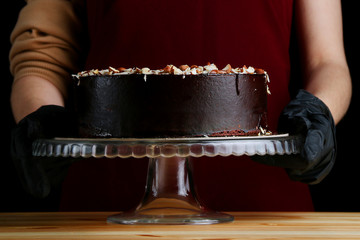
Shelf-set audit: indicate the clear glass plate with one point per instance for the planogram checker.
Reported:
(167, 147)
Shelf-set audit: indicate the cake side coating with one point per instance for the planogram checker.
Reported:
(171, 105)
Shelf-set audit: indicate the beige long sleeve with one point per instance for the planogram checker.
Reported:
(48, 41)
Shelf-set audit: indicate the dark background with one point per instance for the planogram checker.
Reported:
(338, 192)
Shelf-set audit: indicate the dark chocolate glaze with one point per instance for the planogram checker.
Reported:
(170, 105)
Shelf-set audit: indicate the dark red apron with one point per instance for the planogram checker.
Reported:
(154, 33)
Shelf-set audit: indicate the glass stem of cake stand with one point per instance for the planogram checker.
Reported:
(169, 197)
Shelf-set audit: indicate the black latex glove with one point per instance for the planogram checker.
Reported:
(39, 174)
(308, 116)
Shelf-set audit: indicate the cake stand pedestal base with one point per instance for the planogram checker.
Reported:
(170, 197)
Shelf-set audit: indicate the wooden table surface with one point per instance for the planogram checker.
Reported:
(247, 225)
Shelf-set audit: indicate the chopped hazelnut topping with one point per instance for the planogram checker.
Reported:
(184, 67)
(183, 70)
(145, 70)
(210, 68)
(259, 71)
(167, 69)
(176, 71)
(228, 68)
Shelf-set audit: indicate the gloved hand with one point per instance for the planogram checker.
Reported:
(39, 174)
(308, 116)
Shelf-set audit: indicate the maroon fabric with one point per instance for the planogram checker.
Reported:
(155, 33)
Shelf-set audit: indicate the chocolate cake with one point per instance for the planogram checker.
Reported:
(171, 102)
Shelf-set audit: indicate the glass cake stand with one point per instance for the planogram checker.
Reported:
(169, 194)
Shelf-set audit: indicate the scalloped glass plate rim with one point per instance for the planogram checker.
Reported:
(167, 147)
(173, 140)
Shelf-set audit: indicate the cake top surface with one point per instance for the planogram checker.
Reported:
(171, 69)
